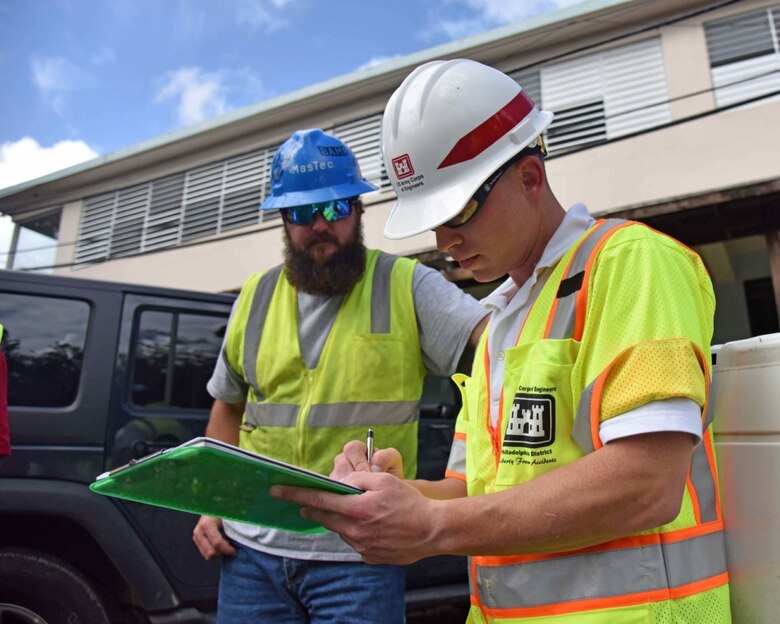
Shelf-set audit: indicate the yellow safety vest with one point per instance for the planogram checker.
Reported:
(576, 364)
(369, 374)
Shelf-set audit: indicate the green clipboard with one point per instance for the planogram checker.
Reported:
(209, 477)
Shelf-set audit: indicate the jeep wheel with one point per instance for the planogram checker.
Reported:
(39, 585)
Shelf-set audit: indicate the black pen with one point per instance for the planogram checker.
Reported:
(369, 444)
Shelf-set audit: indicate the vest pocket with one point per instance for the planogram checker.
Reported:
(537, 413)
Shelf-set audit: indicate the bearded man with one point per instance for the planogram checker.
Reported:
(336, 340)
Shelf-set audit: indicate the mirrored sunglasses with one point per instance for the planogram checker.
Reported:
(330, 210)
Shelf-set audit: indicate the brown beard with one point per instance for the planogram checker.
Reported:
(337, 275)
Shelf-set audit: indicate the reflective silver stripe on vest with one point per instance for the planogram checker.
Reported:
(710, 415)
(601, 574)
(580, 431)
(380, 294)
(457, 460)
(703, 479)
(353, 414)
(271, 414)
(254, 325)
(562, 325)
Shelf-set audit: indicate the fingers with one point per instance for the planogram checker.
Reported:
(351, 459)
(388, 460)
(209, 539)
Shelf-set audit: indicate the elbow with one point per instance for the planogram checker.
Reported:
(660, 508)
(668, 510)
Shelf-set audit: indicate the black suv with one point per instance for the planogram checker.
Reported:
(101, 373)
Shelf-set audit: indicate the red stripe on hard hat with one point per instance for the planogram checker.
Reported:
(489, 131)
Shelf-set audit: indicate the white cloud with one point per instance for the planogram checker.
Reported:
(457, 29)
(202, 94)
(25, 159)
(56, 76)
(262, 14)
(507, 11)
(461, 18)
(377, 60)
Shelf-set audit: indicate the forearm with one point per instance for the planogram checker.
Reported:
(440, 490)
(224, 421)
(626, 487)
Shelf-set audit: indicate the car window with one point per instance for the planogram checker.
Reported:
(174, 356)
(44, 347)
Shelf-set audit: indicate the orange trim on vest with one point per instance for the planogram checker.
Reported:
(622, 543)
(699, 586)
(491, 430)
(554, 306)
(455, 475)
(613, 602)
(582, 294)
(694, 498)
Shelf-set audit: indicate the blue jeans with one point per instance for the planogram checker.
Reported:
(256, 587)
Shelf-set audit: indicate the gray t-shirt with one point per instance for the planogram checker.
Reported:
(446, 317)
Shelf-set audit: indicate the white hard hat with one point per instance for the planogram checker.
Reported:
(445, 130)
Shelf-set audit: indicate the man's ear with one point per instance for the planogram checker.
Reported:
(532, 175)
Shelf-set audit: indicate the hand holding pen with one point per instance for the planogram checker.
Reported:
(360, 457)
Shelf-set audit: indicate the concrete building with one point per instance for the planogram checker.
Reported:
(667, 112)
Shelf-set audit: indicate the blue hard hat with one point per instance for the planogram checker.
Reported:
(312, 167)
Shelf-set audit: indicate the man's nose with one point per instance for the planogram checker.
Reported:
(446, 238)
(319, 223)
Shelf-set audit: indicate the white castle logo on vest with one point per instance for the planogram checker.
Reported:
(531, 421)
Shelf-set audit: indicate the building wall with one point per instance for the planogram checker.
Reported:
(676, 162)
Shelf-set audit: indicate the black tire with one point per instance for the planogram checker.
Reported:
(50, 588)
(14, 614)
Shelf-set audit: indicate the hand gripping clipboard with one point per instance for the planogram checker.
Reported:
(209, 477)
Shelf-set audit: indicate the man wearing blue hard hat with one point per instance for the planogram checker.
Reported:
(334, 341)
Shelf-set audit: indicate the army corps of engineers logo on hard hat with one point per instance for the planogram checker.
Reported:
(406, 180)
(402, 165)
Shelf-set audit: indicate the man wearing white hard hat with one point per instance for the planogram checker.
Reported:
(582, 480)
(332, 342)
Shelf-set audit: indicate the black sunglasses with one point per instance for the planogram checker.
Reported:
(481, 194)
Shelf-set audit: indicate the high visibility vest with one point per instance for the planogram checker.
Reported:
(577, 363)
(369, 374)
